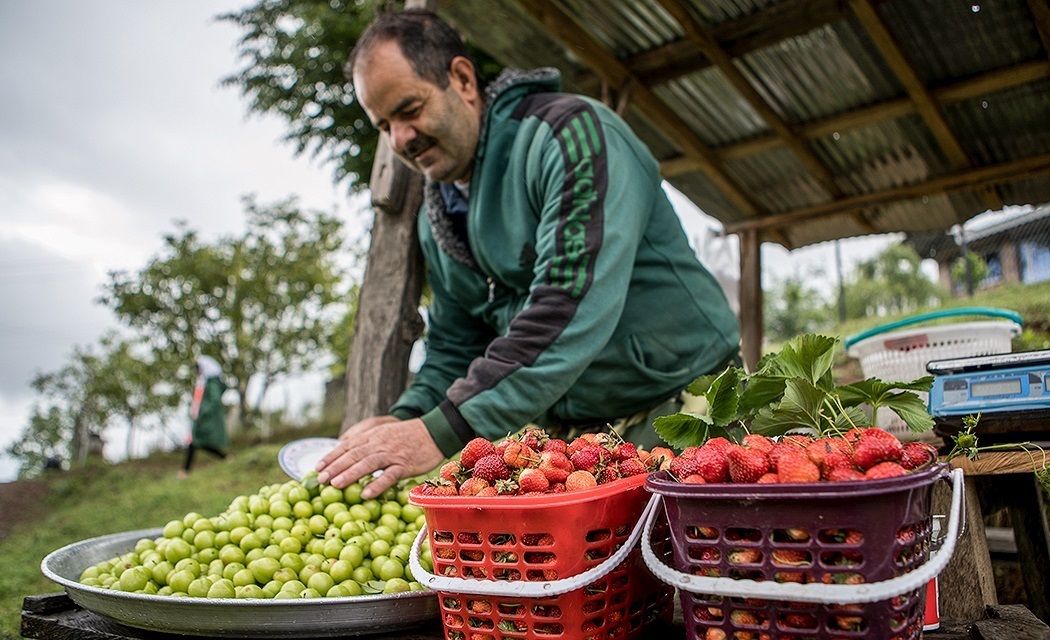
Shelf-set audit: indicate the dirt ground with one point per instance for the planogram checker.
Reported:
(17, 501)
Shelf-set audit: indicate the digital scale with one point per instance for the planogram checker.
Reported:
(1011, 391)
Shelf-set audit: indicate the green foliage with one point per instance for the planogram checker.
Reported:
(969, 271)
(890, 283)
(262, 303)
(294, 53)
(792, 308)
(48, 435)
(792, 389)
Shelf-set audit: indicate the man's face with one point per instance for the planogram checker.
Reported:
(434, 131)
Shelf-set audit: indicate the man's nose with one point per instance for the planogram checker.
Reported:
(401, 135)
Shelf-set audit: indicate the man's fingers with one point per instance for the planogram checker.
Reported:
(389, 478)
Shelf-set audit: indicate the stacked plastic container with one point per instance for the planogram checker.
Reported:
(565, 565)
(820, 560)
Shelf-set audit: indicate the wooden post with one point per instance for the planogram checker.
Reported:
(750, 297)
(388, 321)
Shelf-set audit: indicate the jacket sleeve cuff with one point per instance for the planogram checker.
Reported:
(405, 413)
(448, 428)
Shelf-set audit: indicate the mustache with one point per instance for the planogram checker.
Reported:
(418, 144)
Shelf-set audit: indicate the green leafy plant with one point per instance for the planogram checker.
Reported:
(791, 390)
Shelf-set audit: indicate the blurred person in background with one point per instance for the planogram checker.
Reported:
(208, 414)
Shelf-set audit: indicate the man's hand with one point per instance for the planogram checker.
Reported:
(401, 448)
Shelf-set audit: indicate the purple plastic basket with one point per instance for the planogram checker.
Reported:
(829, 532)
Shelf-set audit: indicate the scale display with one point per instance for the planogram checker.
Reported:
(1014, 382)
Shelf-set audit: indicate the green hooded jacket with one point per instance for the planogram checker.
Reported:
(577, 297)
(209, 429)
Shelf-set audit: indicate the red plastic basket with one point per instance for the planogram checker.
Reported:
(821, 561)
(543, 567)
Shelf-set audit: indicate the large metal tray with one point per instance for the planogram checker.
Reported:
(306, 618)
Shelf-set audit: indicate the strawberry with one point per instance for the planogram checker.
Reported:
(554, 444)
(625, 451)
(744, 556)
(768, 478)
(519, 455)
(450, 471)
(475, 450)
(884, 470)
(588, 457)
(917, 454)
(578, 443)
(506, 487)
(473, 486)
(557, 487)
(819, 449)
(758, 442)
(797, 467)
(791, 558)
(746, 465)
(533, 438)
(608, 474)
(661, 457)
(718, 444)
(696, 478)
(532, 480)
(445, 489)
(555, 465)
(491, 468)
(843, 474)
(873, 449)
(631, 467)
(712, 463)
(833, 460)
(580, 480)
(487, 492)
(684, 466)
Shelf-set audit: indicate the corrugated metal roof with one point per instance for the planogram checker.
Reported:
(839, 141)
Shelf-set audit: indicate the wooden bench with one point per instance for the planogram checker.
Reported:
(995, 481)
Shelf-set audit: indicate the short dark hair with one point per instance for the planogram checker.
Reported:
(427, 42)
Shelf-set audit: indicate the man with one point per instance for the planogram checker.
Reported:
(565, 291)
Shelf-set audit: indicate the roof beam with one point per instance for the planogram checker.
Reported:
(927, 106)
(990, 82)
(969, 179)
(1041, 17)
(563, 27)
(783, 20)
(707, 45)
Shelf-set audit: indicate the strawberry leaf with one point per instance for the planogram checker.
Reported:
(700, 386)
(760, 391)
(875, 392)
(772, 423)
(801, 397)
(809, 357)
(681, 430)
(723, 397)
(911, 409)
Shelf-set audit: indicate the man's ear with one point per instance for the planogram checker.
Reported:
(462, 78)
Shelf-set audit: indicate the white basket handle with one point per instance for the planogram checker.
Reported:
(815, 592)
(525, 588)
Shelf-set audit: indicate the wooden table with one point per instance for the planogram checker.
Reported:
(56, 617)
(996, 480)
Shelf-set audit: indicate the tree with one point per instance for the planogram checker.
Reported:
(968, 271)
(46, 437)
(262, 303)
(792, 309)
(295, 51)
(892, 282)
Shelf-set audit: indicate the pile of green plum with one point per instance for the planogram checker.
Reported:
(298, 539)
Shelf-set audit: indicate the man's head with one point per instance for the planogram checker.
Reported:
(414, 78)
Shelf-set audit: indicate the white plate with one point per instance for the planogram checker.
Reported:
(299, 457)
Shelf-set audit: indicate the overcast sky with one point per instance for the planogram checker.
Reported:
(112, 126)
